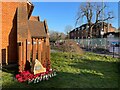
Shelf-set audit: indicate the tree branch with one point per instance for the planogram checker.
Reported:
(98, 12)
(106, 19)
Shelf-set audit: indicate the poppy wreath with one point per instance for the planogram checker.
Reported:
(27, 76)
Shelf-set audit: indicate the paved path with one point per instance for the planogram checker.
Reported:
(116, 56)
(53, 51)
(99, 53)
(106, 54)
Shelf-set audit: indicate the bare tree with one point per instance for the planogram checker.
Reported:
(119, 28)
(54, 36)
(68, 28)
(93, 13)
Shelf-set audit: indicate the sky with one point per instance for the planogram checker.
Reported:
(61, 14)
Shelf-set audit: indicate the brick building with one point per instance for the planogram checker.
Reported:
(24, 37)
(83, 31)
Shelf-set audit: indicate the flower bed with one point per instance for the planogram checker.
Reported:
(27, 76)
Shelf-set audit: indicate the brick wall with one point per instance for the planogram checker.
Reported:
(96, 32)
(111, 29)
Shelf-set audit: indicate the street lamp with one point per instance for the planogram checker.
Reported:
(88, 42)
(102, 33)
(82, 39)
(113, 44)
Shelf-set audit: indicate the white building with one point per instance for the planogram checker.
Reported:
(113, 43)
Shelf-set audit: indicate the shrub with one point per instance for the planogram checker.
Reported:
(69, 46)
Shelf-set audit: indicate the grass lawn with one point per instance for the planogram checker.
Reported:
(75, 71)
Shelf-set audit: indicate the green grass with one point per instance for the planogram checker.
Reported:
(75, 71)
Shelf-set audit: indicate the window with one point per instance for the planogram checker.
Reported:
(34, 43)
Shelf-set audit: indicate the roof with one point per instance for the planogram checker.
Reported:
(37, 29)
(84, 26)
(116, 34)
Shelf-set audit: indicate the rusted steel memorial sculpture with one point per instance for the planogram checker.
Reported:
(25, 40)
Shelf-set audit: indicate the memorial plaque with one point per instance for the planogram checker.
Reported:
(37, 67)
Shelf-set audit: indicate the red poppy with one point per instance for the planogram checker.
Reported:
(20, 79)
(26, 75)
(18, 76)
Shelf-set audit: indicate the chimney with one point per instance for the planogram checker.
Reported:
(110, 25)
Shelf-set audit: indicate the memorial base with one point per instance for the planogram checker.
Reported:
(27, 76)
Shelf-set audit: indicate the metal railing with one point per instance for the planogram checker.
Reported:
(93, 43)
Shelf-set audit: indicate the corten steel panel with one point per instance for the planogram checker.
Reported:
(22, 21)
(46, 26)
(3, 55)
(42, 51)
(28, 50)
(47, 53)
(22, 30)
(29, 46)
(37, 29)
(0, 33)
(30, 8)
(48, 63)
(36, 46)
(24, 54)
(20, 62)
(34, 49)
(39, 50)
(34, 18)
(9, 35)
